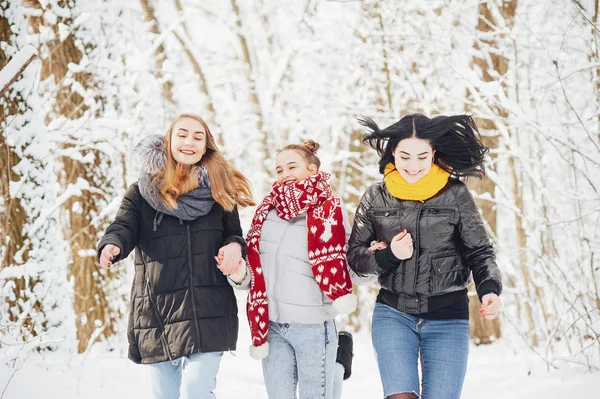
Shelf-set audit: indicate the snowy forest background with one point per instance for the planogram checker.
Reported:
(264, 73)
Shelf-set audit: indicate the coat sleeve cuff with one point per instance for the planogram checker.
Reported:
(488, 287)
(244, 284)
(239, 240)
(386, 259)
(113, 241)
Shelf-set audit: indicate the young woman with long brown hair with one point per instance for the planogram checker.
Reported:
(179, 215)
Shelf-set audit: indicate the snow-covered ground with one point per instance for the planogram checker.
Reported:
(494, 372)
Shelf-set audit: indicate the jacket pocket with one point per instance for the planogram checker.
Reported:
(137, 288)
(438, 221)
(447, 274)
(385, 213)
(386, 223)
(443, 212)
(144, 313)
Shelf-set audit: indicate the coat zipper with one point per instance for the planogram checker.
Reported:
(416, 253)
(227, 320)
(191, 285)
(163, 333)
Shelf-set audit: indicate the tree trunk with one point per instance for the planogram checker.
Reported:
(15, 245)
(261, 144)
(160, 55)
(490, 49)
(91, 285)
(595, 58)
(187, 44)
(351, 173)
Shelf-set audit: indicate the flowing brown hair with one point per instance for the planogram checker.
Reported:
(229, 187)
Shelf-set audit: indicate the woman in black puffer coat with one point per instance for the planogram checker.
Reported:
(421, 232)
(180, 215)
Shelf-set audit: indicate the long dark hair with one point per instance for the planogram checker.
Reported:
(455, 139)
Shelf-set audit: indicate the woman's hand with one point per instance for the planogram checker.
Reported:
(490, 306)
(377, 246)
(228, 258)
(108, 254)
(240, 273)
(402, 245)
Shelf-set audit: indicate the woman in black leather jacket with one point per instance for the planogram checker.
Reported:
(422, 233)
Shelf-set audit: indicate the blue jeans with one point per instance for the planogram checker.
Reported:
(443, 346)
(338, 381)
(192, 376)
(303, 356)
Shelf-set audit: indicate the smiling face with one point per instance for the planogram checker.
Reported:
(413, 158)
(291, 166)
(188, 141)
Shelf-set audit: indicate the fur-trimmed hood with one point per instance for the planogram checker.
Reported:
(151, 154)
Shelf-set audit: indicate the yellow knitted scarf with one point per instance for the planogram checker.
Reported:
(428, 186)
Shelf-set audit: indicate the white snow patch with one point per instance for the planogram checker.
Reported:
(15, 64)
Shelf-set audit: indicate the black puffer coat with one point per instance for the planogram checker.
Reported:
(449, 242)
(180, 302)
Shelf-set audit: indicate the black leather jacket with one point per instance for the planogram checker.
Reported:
(450, 242)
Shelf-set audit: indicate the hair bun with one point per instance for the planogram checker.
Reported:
(312, 146)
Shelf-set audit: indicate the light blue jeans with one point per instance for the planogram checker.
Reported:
(338, 381)
(443, 346)
(301, 356)
(192, 376)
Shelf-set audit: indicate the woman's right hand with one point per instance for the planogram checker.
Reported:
(108, 254)
(377, 246)
(240, 274)
(402, 245)
(228, 258)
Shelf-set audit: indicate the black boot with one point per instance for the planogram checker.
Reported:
(344, 352)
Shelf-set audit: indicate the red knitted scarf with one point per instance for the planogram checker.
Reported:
(326, 247)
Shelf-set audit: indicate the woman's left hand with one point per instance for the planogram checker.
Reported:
(490, 306)
(229, 258)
